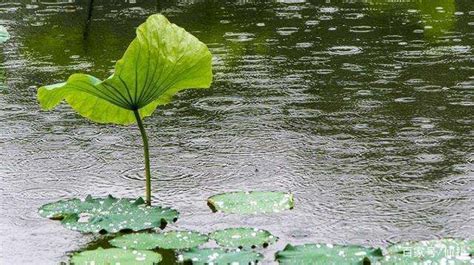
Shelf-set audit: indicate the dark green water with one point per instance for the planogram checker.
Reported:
(363, 109)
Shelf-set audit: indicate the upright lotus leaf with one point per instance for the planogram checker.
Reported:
(111, 215)
(4, 36)
(220, 256)
(167, 240)
(162, 60)
(442, 251)
(327, 254)
(243, 237)
(251, 202)
(116, 256)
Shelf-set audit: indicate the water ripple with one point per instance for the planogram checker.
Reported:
(362, 111)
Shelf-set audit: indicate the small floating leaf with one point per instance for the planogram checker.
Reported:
(108, 214)
(167, 240)
(243, 237)
(220, 256)
(251, 202)
(115, 256)
(327, 254)
(4, 36)
(442, 251)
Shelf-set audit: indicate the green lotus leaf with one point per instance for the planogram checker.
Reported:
(327, 254)
(162, 60)
(220, 256)
(243, 237)
(4, 36)
(115, 256)
(109, 214)
(251, 202)
(167, 240)
(442, 251)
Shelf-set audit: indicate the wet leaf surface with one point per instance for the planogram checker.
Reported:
(108, 215)
(243, 237)
(310, 254)
(115, 256)
(220, 256)
(167, 240)
(251, 202)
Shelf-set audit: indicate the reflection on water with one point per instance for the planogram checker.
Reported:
(362, 109)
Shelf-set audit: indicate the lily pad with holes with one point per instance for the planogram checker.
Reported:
(327, 254)
(243, 237)
(167, 240)
(116, 256)
(4, 36)
(442, 251)
(251, 202)
(220, 256)
(109, 215)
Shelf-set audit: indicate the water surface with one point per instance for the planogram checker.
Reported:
(362, 109)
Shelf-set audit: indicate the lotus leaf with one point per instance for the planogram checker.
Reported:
(327, 254)
(251, 202)
(167, 240)
(108, 214)
(162, 60)
(243, 237)
(115, 256)
(220, 256)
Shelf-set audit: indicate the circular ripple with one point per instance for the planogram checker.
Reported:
(56, 192)
(429, 158)
(419, 57)
(361, 29)
(239, 36)
(344, 50)
(61, 162)
(220, 104)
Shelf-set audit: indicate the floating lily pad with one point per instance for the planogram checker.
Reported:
(327, 254)
(442, 251)
(167, 240)
(251, 202)
(4, 36)
(243, 237)
(115, 256)
(108, 214)
(220, 256)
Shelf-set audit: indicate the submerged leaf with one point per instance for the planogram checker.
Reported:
(115, 256)
(162, 60)
(167, 240)
(251, 202)
(243, 237)
(4, 36)
(220, 256)
(108, 214)
(442, 251)
(310, 254)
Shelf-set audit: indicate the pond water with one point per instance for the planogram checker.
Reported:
(362, 109)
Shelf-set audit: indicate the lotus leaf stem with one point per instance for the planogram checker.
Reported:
(147, 157)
